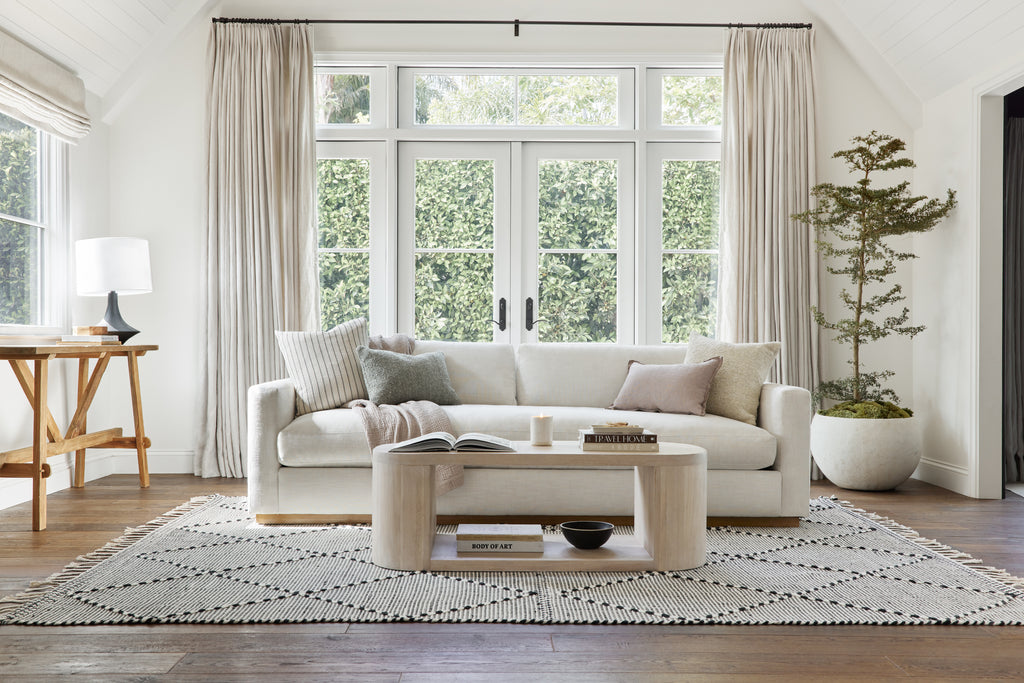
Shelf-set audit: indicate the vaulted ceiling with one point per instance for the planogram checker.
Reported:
(934, 44)
(925, 46)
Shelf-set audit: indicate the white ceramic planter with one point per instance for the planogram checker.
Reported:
(866, 454)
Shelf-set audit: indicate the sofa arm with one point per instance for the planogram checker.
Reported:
(785, 412)
(271, 408)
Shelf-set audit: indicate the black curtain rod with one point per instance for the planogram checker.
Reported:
(516, 23)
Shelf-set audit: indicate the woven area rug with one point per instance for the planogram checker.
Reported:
(209, 562)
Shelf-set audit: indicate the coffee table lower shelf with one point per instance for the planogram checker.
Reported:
(619, 554)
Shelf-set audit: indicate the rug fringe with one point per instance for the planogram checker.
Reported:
(994, 573)
(83, 563)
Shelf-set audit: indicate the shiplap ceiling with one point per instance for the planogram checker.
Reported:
(935, 44)
(929, 44)
(98, 39)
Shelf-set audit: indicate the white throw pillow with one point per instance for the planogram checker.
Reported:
(736, 388)
(324, 366)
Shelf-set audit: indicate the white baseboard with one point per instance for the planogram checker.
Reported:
(956, 478)
(98, 464)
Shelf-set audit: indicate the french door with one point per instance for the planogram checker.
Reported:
(516, 242)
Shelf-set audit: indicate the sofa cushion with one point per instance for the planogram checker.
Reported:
(731, 445)
(334, 438)
(582, 374)
(394, 378)
(323, 365)
(326, 438)
(481, 372)
(736, 389)
(678, 388)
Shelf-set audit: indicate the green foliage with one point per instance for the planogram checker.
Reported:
(860, 218)
(525, 100)
(343, 98)
(19, 244)
(343, 214)
(875, 410)
(691, 100)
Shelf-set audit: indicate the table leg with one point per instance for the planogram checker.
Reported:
(140, 431)
(404, 516)
(670, 514)
(83, 380)
(39, 444)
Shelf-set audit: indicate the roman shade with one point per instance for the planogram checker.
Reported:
(36, 90)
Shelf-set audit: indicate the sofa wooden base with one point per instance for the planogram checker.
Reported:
(625, 520)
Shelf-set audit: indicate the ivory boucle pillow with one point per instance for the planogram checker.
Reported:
(324, 366)
(680, 388)
(736, 388)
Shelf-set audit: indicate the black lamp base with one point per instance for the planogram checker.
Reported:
(114, 322)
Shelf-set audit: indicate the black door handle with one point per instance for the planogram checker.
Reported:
(530, 322)
(500, 322)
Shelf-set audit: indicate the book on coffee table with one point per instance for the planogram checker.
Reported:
(499, 538)
(443, 441)
(644, 441)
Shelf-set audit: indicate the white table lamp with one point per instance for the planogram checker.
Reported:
(108, 266)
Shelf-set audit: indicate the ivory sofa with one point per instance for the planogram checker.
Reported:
(316, 467)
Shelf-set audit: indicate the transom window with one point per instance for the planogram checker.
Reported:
(510, 204)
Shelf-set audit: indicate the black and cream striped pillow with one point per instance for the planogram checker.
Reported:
(324, 366)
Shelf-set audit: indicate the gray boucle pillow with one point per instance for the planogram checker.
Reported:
(736, 388)
(393, 378)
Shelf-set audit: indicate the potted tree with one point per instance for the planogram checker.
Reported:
(866, 441)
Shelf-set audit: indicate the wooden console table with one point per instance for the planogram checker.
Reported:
(30, 462)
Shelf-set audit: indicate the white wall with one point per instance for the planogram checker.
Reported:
(157, 170)
(959, 369)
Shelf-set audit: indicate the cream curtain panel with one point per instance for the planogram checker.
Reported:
(768, 276)
(38, 91)
(259, 263)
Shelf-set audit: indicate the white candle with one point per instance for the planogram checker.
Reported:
(542, 427)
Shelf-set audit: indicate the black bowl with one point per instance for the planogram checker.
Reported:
(587, 535)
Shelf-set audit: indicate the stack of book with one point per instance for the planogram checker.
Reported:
(92, 334)
(499, 538)
(618, 438)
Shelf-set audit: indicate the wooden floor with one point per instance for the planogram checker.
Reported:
(81, 520)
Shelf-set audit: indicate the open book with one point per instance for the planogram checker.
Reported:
(443, 441)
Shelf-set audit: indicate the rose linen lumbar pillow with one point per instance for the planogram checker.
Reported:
(736, 389)
(680, 388)
(394, 378)
(324, 366)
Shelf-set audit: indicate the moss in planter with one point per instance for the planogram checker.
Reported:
(878, 410)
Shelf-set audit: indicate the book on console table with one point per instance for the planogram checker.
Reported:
(73, 339)
(499, 538)
(443, 441)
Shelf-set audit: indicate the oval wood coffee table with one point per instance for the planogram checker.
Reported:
(670, 511)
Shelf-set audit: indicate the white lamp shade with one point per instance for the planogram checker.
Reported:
(112, 264)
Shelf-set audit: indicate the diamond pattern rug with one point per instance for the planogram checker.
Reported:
(209, 562)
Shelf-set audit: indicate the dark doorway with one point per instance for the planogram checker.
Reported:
(1013, 287)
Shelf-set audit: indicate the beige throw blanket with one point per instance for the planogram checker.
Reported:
(391, 424)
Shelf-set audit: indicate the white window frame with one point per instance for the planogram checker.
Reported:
(381, 275)
(621, 152)
(408, 154)
(378, 96)
(655, 101)
(644, 73)
(657, 154)
(52, 280)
